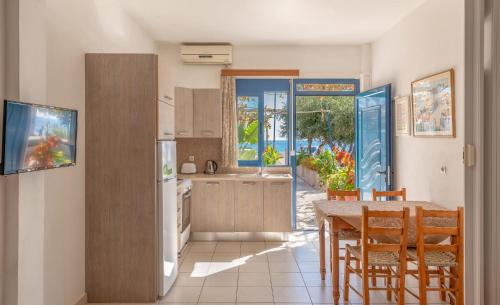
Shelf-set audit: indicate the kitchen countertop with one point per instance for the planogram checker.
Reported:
(237, 176)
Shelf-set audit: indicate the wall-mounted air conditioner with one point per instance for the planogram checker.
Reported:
(207, 54)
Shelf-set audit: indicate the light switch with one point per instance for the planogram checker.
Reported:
(191, 158)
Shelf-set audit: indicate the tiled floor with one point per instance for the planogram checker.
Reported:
(263, 273)
(306, 194)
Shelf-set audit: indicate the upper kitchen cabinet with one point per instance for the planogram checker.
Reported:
(166, 120)
(184, 112)
(207, 113)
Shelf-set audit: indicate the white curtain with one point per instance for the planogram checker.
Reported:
(229, 123)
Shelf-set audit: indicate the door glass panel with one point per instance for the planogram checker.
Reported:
(248, 128)
(275, 128)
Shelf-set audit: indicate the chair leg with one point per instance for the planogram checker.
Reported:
(347, 274)
(374, 277)
(422, 284)
(388, 284)
(401, 285)
(358, 263)
(442, 283)
(366, 287)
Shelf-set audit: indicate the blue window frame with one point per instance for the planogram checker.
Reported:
(263, 115)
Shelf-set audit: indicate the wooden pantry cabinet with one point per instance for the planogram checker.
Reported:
(198, 113)
(121, 112)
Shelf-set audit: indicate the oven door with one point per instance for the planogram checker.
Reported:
(186, 210)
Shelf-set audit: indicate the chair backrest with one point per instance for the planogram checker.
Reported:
(377, 194)
(340, 195)
(455, 232)
(399, 223)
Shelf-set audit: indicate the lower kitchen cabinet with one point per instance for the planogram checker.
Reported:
(277, 206)
(212, 206)
(249, 206)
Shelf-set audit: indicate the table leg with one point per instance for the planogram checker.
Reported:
(334, 241)
(322, 267)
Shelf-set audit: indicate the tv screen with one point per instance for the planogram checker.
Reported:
(37, 137)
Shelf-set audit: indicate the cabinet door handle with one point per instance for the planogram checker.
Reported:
(207, 132)
(213, 183)
(182, 132)
(277, 183)
(168, 134)
(248, 183)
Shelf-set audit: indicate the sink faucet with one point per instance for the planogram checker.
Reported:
(260, 170)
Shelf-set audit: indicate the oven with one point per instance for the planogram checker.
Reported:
(186, 210)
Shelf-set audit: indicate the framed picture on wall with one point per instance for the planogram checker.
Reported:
(434, 105)
(402, 112)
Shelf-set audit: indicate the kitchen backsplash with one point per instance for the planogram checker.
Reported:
(202, 150)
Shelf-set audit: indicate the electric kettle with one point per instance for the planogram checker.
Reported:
(210, 167)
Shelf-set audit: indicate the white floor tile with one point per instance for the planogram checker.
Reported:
(255, 294)
(313, 279)
(321, 295)
(287, 279)
(228, 247)
(182, 294)
(203, 248)
(254, 279)
(188, 280)
(254, 267)
(218, 294)
(222, 280)
(291, 295)
(283, 267)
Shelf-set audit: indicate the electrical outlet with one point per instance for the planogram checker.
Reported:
(191, 158)
(443, 170)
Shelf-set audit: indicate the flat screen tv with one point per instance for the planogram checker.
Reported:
(37, 137)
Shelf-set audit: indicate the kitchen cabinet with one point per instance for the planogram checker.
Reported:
(249, 206)
(166, 119)
(212, 206)
(207, 114)
(277, 206)
(184, 112)
(121, 112)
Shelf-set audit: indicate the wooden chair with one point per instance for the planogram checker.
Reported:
(349, 235)
(377, 194)
(391, 258)
(387, 194)
(447, 259)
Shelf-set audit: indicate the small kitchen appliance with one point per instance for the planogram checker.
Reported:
(210, 167)
(188, 168)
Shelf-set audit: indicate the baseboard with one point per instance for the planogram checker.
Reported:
(82, 300)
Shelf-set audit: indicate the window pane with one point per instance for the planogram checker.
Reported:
(344, 88)
(275, 128)
(248, 128)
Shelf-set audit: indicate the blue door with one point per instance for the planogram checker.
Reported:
(373, 140)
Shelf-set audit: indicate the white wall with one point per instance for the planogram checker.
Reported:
(73, 29)
(429, 40)
(313, 61)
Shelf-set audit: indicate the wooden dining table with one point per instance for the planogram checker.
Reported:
(346, 215)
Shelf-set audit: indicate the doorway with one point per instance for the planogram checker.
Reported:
(324, 135)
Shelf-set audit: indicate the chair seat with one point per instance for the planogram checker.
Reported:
(375, 258)
(435, 258)
(349, 234)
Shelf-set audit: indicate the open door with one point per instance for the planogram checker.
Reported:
(373, 140)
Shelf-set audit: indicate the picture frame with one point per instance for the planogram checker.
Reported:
(403, 118)
(433, 105)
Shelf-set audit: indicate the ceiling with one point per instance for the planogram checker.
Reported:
(271, 22)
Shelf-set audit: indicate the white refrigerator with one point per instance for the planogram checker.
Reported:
(167, 214)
